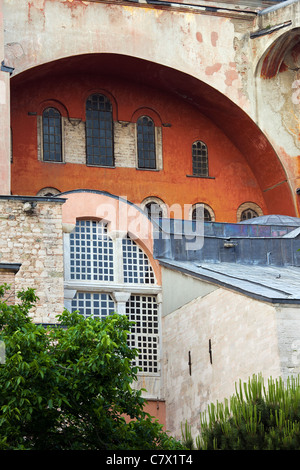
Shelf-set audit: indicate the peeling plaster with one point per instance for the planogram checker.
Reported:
(213, 69)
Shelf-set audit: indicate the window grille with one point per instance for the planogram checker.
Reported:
(136, 266)
(153, 210)
(99, 131)
(144, 335)
(52, 135)
(96, 305)
(91, 252)
(206, 215)
(200, 159)
(146, 143)
(248, 214)
(92, 259)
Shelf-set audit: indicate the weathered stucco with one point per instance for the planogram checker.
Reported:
(203, 46)
(216, 47)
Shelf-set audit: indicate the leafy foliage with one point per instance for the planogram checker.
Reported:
(69, 387)
(256, 417)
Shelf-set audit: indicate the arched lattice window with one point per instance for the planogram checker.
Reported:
(146, 143)
(136, 266)
(105, 272)
(52, 135)
(99, 131)
(200, 158)
(248, 214)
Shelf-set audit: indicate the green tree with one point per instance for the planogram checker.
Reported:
(256, 417)
(69, 387)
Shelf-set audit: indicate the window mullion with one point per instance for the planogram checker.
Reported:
(118, 259)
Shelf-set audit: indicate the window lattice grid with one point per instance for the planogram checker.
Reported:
(52, 135)
(96, 305)
(91, 252)
(146, 143)
(144, 336)
(99, 131)
(136, 266)
(249, 214)
(200, 159)
(153, 210)
(197, 215)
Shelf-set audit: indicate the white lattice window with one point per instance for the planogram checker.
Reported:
(136, 266)
(97, 305)
(107, 274)
(143, 310)
(91, 252)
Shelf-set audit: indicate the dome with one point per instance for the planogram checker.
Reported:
(273, 220)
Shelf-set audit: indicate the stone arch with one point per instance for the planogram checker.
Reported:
(240, 129)
(122, 217)
(248, 206)
(273, 59)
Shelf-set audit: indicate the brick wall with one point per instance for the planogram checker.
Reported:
(34, 240)
(8, 277)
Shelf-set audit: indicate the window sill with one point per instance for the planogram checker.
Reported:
(147, 169)
(203, 177)
(52, 161)
(100, 166)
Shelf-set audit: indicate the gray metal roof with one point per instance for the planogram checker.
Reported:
(266, 283)
(259, 259)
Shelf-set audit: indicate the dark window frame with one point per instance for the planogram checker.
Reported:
(99, 131)
(200, 159)
(248, 214)
(146, 143)
(206, 214)
(52, 135)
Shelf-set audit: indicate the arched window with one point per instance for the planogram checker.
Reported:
(153, 210)
(103, 273)
(248, 214)
(136, 266)
(52, 135)
(203, 211)
(206, 215)
(200, 158)
(99, 131)
(248, 210)
(146, 143)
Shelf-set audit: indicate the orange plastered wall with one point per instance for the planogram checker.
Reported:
(232, 181)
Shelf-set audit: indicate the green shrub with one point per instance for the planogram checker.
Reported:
(69, 387)
(256, 417)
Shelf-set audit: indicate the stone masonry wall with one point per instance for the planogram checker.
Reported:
(8, 277)
(242, 333)
(34, 239)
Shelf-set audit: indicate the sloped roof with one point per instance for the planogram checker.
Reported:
(266, 283)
